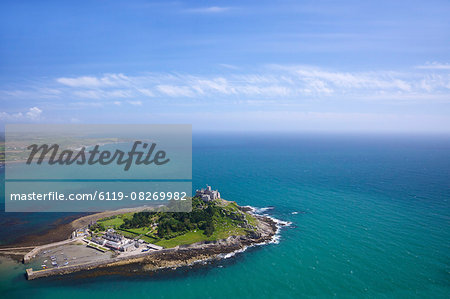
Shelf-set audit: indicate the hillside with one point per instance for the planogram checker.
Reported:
(208, 221)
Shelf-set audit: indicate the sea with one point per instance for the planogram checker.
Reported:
(366, 215)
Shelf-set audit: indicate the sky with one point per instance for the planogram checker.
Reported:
(337, 66)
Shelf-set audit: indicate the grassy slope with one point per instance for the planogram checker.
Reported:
(224, 227)
(115, 221)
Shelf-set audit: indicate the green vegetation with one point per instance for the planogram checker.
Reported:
(128, 234)
(99, 226)
(114, 221)
(210, 221)
(187, 238)
(139, 231)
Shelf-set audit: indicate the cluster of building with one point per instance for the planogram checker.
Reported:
(207, 194)
(81, 232)
(115, 241)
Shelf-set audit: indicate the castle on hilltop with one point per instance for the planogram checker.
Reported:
(207, 194)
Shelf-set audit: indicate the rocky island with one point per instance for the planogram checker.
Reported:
(141, 240)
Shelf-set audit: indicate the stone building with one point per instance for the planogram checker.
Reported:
(207, 194)
(111, 235)
(128, 247)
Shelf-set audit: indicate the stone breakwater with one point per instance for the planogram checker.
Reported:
(179, 256)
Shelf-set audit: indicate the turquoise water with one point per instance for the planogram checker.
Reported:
(370, 218)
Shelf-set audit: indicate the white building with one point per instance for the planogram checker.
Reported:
(207, 194)
(111, 235)
(128, 247)
(154, 247)
(113, 245)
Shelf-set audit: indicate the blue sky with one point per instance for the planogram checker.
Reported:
(228, 65)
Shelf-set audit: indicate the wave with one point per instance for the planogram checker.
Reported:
(259, 211)
(231, 254)
(276, 237)
(274, 240)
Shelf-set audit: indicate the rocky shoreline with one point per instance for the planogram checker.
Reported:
(190, 254)
(180, 256)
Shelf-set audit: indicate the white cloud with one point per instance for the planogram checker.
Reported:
(135, 103)
(5, 116)
(229, 66)
(88, 94)
(219, 85)
(345, 81)
(33, 114)
(89, 81)
(103, 93)
(175, 91)
(281, 83)
(87, 104)
(208, 10)
(145, 91)
(273, 81)
(434, 66)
